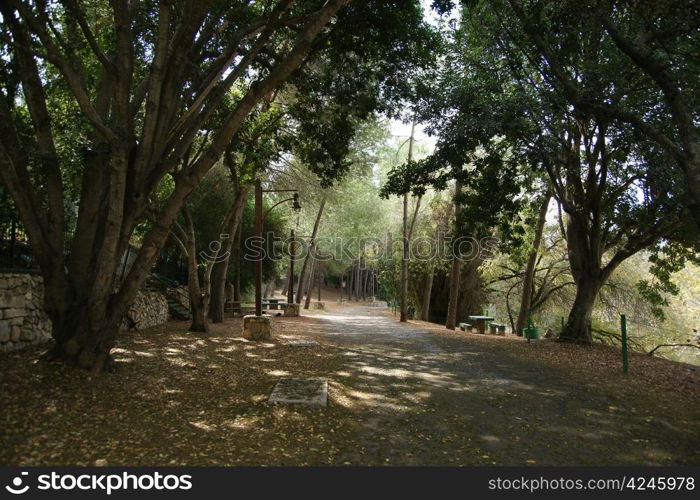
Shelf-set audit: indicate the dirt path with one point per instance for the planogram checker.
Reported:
(425, 398)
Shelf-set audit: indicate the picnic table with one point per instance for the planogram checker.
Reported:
(481, 322)
(238, 308)
(273, 303)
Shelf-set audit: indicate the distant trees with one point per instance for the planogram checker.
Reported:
(534, 90)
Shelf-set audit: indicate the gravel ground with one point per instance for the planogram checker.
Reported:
(413, 394)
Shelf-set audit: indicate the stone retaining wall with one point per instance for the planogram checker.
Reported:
(23, 321)
(149, 309)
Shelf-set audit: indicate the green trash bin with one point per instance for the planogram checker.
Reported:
(532, 333)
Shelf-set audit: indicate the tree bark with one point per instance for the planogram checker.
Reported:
(312, 247)
(237, 265)
(220, 271)
(351, 276)
(528, 280)
(365, 283)
(453, 305)
(198, 292)
(310, 285)
(427, 291)
(577, 327)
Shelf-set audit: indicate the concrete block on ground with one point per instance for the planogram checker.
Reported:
(258, 328)
(302, 343)
(311, 392)
(291, 310)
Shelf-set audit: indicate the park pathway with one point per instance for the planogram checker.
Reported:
(425, 398)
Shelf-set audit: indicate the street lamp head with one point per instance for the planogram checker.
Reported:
(295, 203)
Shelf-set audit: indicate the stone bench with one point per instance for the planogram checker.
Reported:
(497, 329)
(465, 327)
(274, 303)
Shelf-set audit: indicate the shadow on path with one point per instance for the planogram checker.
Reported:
(425, 398)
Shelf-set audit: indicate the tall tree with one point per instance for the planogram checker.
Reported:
(310, 254)
(453, 304)
(529, 276)
(406, 237)
(649, 79)
(606, 176)
(146, 82)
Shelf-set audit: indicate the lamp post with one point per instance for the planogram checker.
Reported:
(292, 254)
(259, 219)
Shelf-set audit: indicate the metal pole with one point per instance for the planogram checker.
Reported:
(292, 251)
(625, 357)
(258, 234)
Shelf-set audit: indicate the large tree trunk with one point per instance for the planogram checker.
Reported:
(198, 306)
(77, 341)
(529, 277)
(312, 247)
(220, 270)
(585, 257)
(218, 292)
(577, 328)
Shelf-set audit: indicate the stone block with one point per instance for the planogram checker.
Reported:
(13, 313)
(319, 305)
(291, 310)
(13, 300)
(258, 328)
(302, 343)
(305, 391)
(4, 331)
(15, 332)
(27, 334)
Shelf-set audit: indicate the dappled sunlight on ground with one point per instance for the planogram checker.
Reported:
(398, 394)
